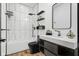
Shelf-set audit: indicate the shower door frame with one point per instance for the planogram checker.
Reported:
(3, 29)
(78, 27)
(0, 29)
(6, 29)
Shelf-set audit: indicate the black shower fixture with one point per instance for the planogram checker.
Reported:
(31, 14)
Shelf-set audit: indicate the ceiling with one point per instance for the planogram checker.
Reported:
(32, 5)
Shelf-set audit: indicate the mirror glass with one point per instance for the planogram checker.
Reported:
(61, 16)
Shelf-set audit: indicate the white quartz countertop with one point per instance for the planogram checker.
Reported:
(70, 43)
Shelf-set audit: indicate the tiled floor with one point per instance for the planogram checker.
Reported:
(27, 53)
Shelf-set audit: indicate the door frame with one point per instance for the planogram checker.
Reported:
(3, 29)
(78, 27)
(6, 29)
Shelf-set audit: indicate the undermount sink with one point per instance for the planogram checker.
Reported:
(60, 38)
(63, 41)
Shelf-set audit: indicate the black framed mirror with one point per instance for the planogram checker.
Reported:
(62, 16)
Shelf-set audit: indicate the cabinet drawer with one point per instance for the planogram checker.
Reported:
(52, 47)
(47, 53)
(63, 51)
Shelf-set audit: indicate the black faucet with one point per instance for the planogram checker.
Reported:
(59, 33)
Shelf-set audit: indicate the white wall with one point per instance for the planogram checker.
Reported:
(34, 21)
(47, 7)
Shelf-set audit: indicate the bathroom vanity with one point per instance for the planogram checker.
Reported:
(53, 46)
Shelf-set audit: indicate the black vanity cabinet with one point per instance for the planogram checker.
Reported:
(48, 48)
(63, 51)
(51, 49)
(41, 45)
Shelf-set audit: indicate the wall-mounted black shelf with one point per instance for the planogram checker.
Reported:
(40, 12)
(40, 19)
(41, 27)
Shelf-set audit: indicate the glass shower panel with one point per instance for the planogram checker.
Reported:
(22, 22)
(11, 7)
(19, 27)
(18, 24)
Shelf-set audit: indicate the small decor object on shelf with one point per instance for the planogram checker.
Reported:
(48, 32)
(70, 34)
(41, 27)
